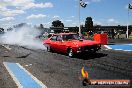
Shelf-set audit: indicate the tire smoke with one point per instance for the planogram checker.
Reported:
(24, 36)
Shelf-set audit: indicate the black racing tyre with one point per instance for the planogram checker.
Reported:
(48, 48)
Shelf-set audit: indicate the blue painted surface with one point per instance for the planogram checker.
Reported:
(123, 47)
(25, 80)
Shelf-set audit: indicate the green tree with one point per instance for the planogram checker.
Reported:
(1, 30)
(89, 23)
(57, 23)
(41, 26)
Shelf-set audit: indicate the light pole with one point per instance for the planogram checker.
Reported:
(82, 4)
(129, 7)
(79, 17)
(127, 22)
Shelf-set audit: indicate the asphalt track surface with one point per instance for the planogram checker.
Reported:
(60, 71)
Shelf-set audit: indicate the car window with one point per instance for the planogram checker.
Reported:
(59, 38)
(49, 35)
(53, 38)
(71, 37)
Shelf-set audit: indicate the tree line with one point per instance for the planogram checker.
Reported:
(88, 24)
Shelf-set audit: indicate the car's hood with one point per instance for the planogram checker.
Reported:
(83, 42)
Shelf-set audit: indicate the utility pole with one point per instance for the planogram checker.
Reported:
(129, 7)
(79, 17)
(127, 21)
(82, 4)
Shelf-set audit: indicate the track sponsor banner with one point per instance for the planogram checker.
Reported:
(103, 82)
(110, 82)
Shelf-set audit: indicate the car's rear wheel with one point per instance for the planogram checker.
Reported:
(94, 51)
(70, 53)
(48, 48)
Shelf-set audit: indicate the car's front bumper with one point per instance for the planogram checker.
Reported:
(91, 48)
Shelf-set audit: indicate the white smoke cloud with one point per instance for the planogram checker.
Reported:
(7, 19)
(24, 36)
(38, 16)
(20, 6)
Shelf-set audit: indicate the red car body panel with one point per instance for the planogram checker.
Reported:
(62, 46)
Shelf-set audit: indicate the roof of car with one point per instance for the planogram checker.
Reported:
(64, 33)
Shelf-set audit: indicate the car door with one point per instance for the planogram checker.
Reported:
(53, 42)
(60, 44)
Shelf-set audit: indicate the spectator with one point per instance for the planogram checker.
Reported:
(118, 34)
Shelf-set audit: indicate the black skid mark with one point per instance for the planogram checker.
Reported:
(24, 56)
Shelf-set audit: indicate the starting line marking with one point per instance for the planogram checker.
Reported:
(123, 47)
(22, 77)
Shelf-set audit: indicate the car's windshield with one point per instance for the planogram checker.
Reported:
(71, 37)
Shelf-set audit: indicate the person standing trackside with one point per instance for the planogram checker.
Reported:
(118, 34)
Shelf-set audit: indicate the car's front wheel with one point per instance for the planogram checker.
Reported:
(48, 48)
(70, 53)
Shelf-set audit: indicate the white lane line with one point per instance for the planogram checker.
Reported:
(13, 76)
(122, 50)
(107, 46)
(126, 44)
(118, 49)
(127, 50)
(33, 77)
(17, 81)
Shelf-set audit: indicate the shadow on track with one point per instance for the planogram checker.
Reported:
(88, 56)
(84, 56)
(24, 56)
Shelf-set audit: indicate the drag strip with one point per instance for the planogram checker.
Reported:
(19, 74)
(60, 71)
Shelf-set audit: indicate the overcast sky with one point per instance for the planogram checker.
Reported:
(34, 12)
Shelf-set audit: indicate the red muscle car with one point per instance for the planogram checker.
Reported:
(70, 43)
